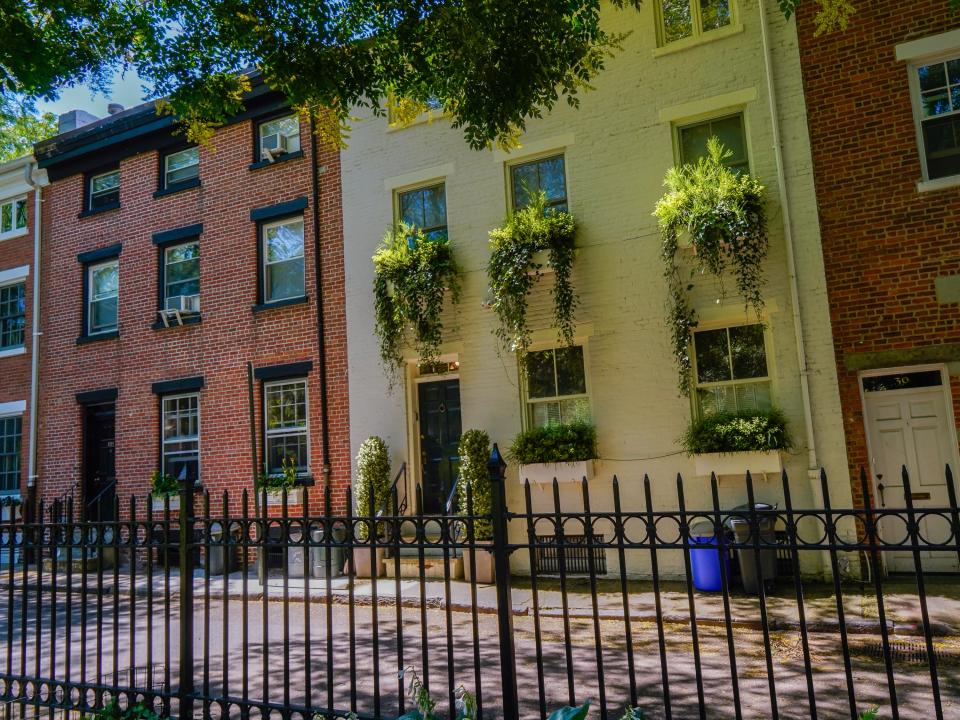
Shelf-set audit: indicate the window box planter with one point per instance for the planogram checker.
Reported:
(564, 472)
(737, 463)
(159, 503)
(294, 496)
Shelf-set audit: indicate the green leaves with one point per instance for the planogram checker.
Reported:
(474, 452)
(571, 713)
(20, 128)
(371, 485)
(756, 431)
(555, 443)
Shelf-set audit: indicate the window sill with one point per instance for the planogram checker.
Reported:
(692, 42)
(10, 234)
(302, 300)
(10, 352)
(296, 155)
(84, 339)
(178, 187)
(189, 320)
(943, 183)
(97, 211)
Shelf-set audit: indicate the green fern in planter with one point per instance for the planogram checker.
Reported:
(756, 431)
(474, 453)
(412, 275)
(512, 271)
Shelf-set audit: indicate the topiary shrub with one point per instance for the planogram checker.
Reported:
(474, 453)
(573, 442)
(373, 474)
(755, 431)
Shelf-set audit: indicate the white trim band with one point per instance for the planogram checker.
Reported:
(14, 407)
(13, 275)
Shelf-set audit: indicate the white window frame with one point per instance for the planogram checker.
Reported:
(284, 432)
(529, 402)
(91, 193)
(697, 385)
(265, 264)
(166, 167)
(261, 134)
(164, 440)
(14, 230)
(90, 299)
(699, 34)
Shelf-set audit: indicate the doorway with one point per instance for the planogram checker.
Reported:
(99, 463)
(439, 425)
(910, 423)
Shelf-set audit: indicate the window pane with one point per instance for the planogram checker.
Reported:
(713, 361)
(187, 270)
(6, 217)
(425, 208)
(546, 413)
(282, 447)
(288, 127)
(183, 159)
(286, 405)
(285, 279)
(540, 376)
(21, 221)
(103, 314)
(10, 444)
(105, 280)
(748, 353)
(105, 182)
(571, 379)
(932, 76)
(12, 311)
(714, 14)
(577, 410)
(552, 180)
(285, 241)
(935, 102)
(677, 19)
(719, 399)
(941, 142)
(729, 130)
(693, 142)
(752, 396)
(525, 184)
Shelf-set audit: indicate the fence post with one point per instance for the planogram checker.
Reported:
(501, 560)
(185, 671)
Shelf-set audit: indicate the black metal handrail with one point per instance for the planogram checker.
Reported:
(401, 506)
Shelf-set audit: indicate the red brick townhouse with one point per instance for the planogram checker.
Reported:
(20, 188)
(170, 267)
(883, 100)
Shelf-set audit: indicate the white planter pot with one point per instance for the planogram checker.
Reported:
(737, 463)
(159, 503)
(543, 474)
(294, 497)
(542, 258)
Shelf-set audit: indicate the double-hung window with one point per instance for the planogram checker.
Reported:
(13, 217)
(181, 276)
(11, 429)
(104, 190)
(103, 286)
(278, 137)
(13, 309)
(283, 264)
(181, 436)
(680, 19)
(557, 386)
(731, 370)
(937, 102)
(425, 208)
(181, 167)
(285, 409)
(546, 175)
(729, 130)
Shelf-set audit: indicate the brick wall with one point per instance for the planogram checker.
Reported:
(219, 347)
(884, 242)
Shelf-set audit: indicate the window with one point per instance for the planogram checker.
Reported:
(425, 208)
(283, 260)
(278, 137)
(11, 429)
(181, 275)
(557, 386)
(285, 407)
(103, 284)
(13, 217)
(692, 140)
(181, 167)
(731, 370)
(181, 436)
(938, 105)
(12, 316)
(546, 175)
(104, 190)
(681, 19)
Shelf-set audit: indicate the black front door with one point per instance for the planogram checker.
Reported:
(439, 408)
(99, 480)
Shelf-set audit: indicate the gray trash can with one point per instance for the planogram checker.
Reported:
(740, 528)
(318, 553)
(220, 555)
(295, 563)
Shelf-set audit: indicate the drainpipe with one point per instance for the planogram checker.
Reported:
(36, 184)
(812, 463)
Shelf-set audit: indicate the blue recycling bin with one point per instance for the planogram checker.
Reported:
(705, 562)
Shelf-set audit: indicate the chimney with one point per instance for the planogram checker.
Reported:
(114, 108)
(73, 119)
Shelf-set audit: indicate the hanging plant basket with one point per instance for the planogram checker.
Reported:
(533, 242)
(412, 277)
(720, 216)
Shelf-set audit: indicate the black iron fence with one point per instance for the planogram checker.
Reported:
(253, 610)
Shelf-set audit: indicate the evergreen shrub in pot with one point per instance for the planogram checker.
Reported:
(371, 486)
(474, 453)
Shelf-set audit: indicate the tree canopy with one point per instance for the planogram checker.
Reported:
(490, 64)
(20, 128)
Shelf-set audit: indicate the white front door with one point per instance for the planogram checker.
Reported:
(910, 424)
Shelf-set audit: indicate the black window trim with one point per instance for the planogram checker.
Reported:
(162, 188)
(86, 260)
(287, 373)
(269, 214)
(190, 388)
(164, 240)
(85, 209)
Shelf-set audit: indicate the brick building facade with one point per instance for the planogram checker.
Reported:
(886, 152)
(177, 266)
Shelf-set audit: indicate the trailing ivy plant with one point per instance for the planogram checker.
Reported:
(412, 276)
(474, 451)
(723, 213)
(513, 271)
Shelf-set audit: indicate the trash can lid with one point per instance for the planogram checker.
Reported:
(704, 529)
(744, 517)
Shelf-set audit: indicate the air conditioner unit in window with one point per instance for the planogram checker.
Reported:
(272, 146)
(178, 306)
